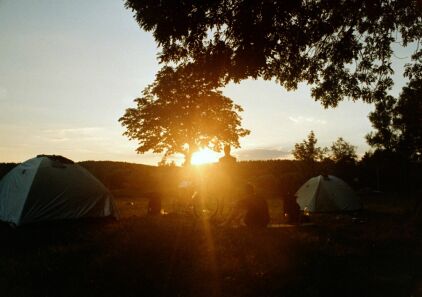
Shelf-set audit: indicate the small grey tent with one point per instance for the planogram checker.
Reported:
(327, 194)
(50, 188)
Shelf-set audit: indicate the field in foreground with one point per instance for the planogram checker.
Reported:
(177, 255)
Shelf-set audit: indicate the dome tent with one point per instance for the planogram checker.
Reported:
(327, 194)
(49, 188)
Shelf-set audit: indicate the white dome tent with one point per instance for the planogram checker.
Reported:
(49, 188)
(327, 194)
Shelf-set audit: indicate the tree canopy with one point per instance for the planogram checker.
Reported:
(342, 49)
(308, 151)
(398, 122)
(342, 151)
(181, 113)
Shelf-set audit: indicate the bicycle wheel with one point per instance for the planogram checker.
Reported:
(206, 206)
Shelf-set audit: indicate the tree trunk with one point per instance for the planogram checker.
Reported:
(188, 159)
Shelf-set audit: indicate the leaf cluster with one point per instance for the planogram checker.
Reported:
(398, 122)
(342, 151)
(341, 48)
(308, 151)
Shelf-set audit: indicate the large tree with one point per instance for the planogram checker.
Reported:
(398, 122)
(341, 48)
(181, 113)
(385, 136)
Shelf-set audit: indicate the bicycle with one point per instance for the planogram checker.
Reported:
(200, 204)
(208, 206)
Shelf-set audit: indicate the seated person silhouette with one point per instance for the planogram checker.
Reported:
(251, 210)
(291, 209)
(154, 204)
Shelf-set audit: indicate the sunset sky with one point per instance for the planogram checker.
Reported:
(69, 69)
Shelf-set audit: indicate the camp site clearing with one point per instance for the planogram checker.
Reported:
(362, 245)
(171, 255)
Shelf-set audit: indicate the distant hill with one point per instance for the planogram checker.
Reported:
(5, 168)
(269, 177)
(129, 179)
(117, 175)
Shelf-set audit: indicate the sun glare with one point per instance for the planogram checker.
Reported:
(204, 156)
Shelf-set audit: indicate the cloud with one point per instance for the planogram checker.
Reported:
(301, 119)
(81, 130)
(262, 154)
(72, 134)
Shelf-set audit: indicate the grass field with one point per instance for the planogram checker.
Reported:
(178, 255)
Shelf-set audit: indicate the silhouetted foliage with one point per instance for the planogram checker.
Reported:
(399, 122)
(308, 151)
(309, 154)
(390, 171)
(381, 120)
(342, 49)
(181, 113)
(342, 151)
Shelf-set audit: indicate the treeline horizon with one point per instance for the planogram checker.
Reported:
(379, 171)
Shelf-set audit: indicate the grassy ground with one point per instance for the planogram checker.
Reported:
(178, 255)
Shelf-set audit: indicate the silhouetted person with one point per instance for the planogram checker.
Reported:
(288, 185)
(291, 209)
(227, 159)
(225, 177)
(252, 209)
(154, 204)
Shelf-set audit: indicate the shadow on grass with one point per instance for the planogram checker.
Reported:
(180, 256)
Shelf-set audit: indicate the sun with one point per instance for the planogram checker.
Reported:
(204, 156)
